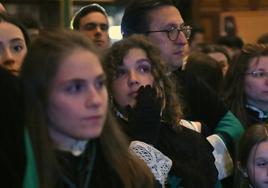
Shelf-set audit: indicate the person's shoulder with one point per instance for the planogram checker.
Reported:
(189, 134)
(181, 132)
(179, 139)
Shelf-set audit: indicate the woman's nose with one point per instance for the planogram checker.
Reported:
(132, 78)
(93, 98)
(7, 57)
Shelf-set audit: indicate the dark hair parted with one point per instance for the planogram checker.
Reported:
(172, 109)
(135, 19)
(4, 17)
(38, 71)
(234, 85)
(85, 10)
(231, 41)
(214, 48)
(252, 137)
(195, 30)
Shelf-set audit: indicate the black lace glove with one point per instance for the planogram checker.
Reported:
(144, 117)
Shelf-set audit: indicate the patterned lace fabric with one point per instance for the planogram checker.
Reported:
(159, 164)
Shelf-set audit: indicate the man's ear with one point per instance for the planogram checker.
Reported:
(242, 170)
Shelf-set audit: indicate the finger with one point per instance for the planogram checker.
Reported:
(128, 109)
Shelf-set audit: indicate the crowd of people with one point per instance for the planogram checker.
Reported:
(159, 108)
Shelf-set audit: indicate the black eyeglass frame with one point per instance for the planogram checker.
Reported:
(185, 29)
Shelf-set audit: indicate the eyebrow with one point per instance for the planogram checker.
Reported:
(101, 76)
(140, 61)
(95, 23)
(261, 158)
(17, 40)
(258, 69)
(175, 25)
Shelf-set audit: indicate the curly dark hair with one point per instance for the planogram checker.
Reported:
(171, 106)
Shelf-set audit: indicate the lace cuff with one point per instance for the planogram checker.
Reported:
(159, 164)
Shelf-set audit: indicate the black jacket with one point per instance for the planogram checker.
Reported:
(190, 152)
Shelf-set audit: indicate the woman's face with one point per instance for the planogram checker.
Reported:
(257, 165)
(12, 47)
(256, 83)
(134, 72)
(78, 99)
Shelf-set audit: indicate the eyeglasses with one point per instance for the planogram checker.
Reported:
(258, 74)
(173, 32)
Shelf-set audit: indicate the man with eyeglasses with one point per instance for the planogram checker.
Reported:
(162, 23)
(92, 20)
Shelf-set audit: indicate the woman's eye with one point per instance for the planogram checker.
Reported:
(259, 74)
(144, 68)
(261, 164)
(18, 48)
(75, 88)
(100, 84)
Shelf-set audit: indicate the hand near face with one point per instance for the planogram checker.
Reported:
(144, 117)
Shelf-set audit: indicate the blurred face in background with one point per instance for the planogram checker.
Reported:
(220, 57)
(256, 83)
(197, 39)
(12, 47)
(257, 165)
(95, 26)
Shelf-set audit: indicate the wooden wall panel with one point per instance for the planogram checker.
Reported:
(250, 24)
(263, 4)
(210, 3)
(206, 23)
(239, 5)
(206, 12)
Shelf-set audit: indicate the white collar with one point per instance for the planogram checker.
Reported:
(262, 114)
(76, 147)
